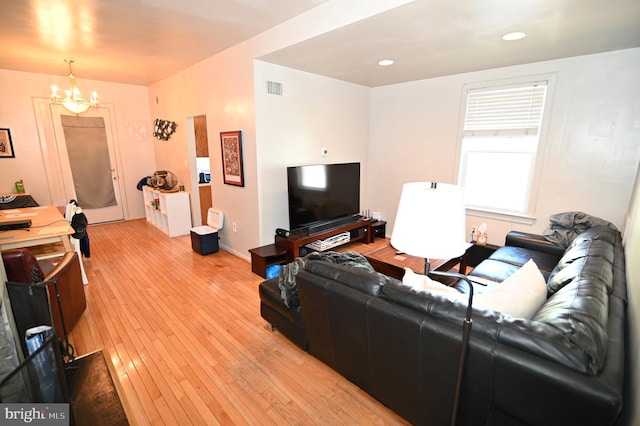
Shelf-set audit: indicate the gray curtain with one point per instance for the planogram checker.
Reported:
(86, 141)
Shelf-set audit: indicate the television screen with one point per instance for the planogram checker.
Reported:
(322, 192)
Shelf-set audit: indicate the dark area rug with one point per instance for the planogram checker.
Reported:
(94, 396)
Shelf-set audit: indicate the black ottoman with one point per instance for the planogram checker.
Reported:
(287, 321)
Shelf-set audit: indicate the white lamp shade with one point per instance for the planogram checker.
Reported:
(430, 221)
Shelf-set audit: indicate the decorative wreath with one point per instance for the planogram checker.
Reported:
(163, 129)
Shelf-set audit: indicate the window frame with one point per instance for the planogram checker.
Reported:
(529, 216)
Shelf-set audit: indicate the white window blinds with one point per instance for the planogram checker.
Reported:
(509, 110)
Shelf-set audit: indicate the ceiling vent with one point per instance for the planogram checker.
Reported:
(274, 88)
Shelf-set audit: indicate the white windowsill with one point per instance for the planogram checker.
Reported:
(507, 217)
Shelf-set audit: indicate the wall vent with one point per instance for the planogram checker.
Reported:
(274, 88)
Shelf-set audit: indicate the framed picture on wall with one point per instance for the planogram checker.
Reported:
(6, 145)
(231, 143)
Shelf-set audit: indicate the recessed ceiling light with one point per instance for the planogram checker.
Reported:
(514, 36)
(385, 62)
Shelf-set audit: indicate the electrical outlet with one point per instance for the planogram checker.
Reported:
(235, 227)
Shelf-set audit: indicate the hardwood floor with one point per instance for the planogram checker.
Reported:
(185, 336)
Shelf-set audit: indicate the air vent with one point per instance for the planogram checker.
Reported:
(274, 88)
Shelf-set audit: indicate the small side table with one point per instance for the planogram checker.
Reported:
(478, 253)
(379, 229)
(265, 256)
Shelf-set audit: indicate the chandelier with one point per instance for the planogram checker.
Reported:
(73, 101)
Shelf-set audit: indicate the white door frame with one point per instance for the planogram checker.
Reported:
(55, 159)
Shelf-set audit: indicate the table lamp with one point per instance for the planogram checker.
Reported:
(430, 223)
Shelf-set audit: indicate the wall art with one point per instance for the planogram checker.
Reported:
(6, 145)
(231, 144)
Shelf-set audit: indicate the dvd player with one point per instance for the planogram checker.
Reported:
(8, 225)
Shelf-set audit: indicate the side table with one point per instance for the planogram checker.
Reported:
(477, 253)
(379, 229)
(265, 256)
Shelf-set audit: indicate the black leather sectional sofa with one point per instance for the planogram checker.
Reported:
(564, 366)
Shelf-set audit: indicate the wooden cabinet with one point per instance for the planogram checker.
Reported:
(168, 211)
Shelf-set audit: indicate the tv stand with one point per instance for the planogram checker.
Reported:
(360, 230)
(286, 249)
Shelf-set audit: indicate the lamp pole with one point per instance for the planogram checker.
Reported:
(466, 331)
(430, 223)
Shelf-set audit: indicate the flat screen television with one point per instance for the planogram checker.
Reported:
(322, 193)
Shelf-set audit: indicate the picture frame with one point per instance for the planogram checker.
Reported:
(6, 144)
(231, 149)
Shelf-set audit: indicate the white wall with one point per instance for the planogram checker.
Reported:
(133, 131)
(632, 254)
(592, 151)
(314, 112)
(220, 87)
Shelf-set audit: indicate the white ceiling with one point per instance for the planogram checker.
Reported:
(431, 38)
(130, 41)
(145, 41)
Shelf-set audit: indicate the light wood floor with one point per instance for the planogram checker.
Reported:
(185, 336)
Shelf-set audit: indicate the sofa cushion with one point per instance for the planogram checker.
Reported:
(591, 254)
(588, 267)
(579, 289)
(360, 279)
(493, 271)
(580, 311)
(429, 303)
(588, 247)
(520, 295)
(598, 232)
(420, 282)
(519, 256)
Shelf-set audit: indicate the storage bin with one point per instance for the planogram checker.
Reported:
(204, 240)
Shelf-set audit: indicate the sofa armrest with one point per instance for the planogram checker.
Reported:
(533, 242)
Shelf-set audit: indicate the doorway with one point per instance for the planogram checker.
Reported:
(81, 163)
(203, 168)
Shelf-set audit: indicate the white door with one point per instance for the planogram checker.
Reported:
(73, 169)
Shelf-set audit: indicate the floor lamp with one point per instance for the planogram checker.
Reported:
(430, 223)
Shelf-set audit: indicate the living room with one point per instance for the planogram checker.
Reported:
(399, 133)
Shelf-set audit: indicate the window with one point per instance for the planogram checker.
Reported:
(499, 146)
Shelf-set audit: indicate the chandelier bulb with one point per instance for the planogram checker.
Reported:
(74, 101)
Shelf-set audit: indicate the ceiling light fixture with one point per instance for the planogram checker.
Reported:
(517, 35)
(385, 62)
(73, 101)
